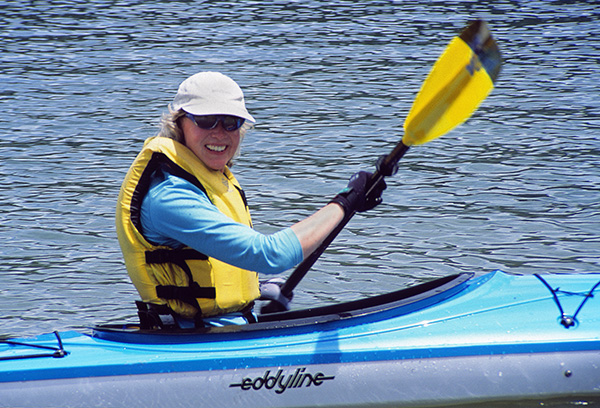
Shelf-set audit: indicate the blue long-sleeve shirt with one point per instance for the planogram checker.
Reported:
(177, 213)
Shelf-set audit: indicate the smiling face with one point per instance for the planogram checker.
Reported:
(214, 147)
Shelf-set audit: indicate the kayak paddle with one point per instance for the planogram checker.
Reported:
(462, 77)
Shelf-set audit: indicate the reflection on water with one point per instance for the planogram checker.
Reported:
(83, 84)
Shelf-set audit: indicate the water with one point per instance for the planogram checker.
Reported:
(82, 84)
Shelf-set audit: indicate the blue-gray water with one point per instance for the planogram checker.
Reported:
(82, 84)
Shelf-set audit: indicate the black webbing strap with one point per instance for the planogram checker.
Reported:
(176, 256)
(157, 161)
(187, 294)
(149, 315)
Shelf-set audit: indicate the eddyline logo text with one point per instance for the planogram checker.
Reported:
(281, 382)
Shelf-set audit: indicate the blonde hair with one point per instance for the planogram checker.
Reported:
(169, 127)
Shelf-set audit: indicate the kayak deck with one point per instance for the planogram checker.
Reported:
(459, 340)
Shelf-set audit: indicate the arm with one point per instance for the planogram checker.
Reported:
(313, 230)
(176, 213)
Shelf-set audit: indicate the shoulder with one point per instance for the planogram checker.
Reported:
(167, 188)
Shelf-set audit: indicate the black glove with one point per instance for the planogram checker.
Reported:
(353, 197)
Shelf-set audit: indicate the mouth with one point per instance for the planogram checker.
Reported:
(216, 148)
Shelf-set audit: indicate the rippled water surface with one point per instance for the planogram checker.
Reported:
(82, 84)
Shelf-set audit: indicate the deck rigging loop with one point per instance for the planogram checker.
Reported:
(57, 352)
(566, 320)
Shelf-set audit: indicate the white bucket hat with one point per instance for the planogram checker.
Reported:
(211, 93)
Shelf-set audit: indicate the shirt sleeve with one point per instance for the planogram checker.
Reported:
(177, 213)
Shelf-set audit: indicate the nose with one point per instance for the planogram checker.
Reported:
(219, 131)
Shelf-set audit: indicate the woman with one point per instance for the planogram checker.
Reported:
(183, 221)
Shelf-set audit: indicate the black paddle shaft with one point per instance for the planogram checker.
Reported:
(387, 166)
(478, 38)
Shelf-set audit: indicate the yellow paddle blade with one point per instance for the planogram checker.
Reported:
(459, 81)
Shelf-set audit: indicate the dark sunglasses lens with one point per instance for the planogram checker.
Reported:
(206, 122)
(231, 123)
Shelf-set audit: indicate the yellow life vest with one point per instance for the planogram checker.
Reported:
(162, 274)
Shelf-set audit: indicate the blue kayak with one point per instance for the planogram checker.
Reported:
(455, 340)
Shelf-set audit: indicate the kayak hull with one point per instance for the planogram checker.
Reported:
(468, 340)
(433, 381)
(416, 382)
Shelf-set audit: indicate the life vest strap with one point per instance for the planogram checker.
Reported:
(150, 315)
(186, 293)
(175, 256)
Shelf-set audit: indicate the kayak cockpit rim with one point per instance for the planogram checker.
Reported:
(410, 299)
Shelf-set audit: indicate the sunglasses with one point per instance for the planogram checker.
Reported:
(229, 123)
